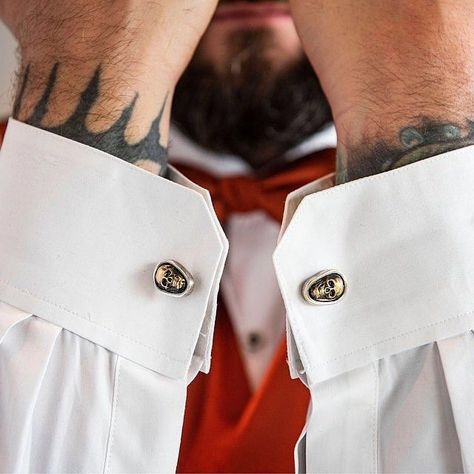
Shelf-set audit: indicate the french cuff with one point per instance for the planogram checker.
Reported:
(403, 241)
(81, 233)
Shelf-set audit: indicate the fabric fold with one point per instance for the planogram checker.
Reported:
(457, 359)
(18, 402)
(69, 405)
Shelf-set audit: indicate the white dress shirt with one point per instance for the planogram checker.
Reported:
(258, 318)
(94, 360)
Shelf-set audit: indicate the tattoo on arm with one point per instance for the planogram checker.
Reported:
(148, 152)
(415, 142)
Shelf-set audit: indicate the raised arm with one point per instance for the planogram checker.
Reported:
(399, 75)
(103, 73)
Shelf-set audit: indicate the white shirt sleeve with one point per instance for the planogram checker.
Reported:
(389, 365)
(94, 360)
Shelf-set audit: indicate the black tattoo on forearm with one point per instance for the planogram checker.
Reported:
(415, 142)
(112, 140)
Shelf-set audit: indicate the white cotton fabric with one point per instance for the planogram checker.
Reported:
(410, 412)
(68, 405)
(94, 361)
(403, 241)
(252, 239)
(389, 367)
(84, 236)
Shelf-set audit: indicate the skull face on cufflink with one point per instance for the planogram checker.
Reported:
(173, 279)
(325, 287)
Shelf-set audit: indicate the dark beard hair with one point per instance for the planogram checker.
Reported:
(250, 111)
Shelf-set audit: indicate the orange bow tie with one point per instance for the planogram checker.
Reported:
(246, 193)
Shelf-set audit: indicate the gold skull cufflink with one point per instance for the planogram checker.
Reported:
(173, 279)
(325, 287)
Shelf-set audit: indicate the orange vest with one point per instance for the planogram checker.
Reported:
(3, 127)
(227, 428)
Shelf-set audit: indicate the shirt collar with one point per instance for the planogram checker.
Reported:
(183, 150)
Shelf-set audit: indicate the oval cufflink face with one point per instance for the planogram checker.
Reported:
(324, 287)
(173, 279)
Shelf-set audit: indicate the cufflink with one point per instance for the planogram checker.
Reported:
(173, 279)
(325, 287)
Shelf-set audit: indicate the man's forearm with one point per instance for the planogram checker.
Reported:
(416, 140)
(399, 77)
(82, 123)
(103, 73)
(82, 77)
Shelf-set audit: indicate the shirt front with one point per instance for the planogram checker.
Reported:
(96, 361)
(258, 317)
(225, 408)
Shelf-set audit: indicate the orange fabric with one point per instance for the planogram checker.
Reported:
(227, 428)
(244, 193)
(3, 128)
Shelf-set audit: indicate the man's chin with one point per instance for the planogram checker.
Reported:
(250, 110)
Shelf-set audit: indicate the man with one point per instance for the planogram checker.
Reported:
(121, 268)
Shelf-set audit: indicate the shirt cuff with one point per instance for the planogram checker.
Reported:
(81, 233)
(403, 242)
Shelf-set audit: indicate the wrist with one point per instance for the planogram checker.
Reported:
(100, 106)
(398, 116)
(399, 77)
(400, 138)
(103, 73)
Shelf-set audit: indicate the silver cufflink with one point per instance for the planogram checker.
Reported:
(325, 287)
(173, 279)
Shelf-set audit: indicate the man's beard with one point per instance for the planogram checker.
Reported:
(250, 111)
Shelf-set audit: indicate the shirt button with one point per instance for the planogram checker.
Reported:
(173, 279)
(325, 287)
(255, 342)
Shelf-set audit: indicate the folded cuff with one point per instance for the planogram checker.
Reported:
(80, 235)
(403, 242)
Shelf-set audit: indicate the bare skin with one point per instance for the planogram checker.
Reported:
(103, 72)
(398, 73)
(399, 77)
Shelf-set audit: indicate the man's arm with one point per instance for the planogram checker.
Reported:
(94, 358)
(103, 73)
(389, 364)
(146, 151)
(398, 75)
